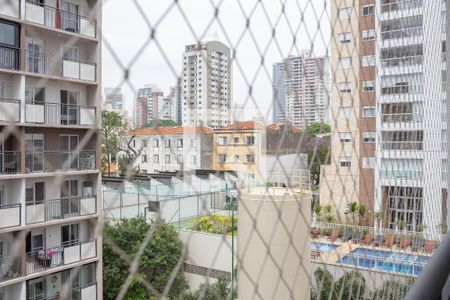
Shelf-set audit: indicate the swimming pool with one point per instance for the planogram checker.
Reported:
(323, 247)
(386, 261)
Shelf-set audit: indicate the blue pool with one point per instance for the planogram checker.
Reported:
(386, 261)
(323, 247)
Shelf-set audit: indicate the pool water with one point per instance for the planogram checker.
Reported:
(323, 247)
(386, 261)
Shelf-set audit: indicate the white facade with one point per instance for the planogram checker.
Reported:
(207, 85)
(411, 127)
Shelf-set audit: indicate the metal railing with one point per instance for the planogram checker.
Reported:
(402, 61)
(57, 113)
(400, 5)
(9, 162)
(401, 117)
(401, 174)
(402, 145)
(58, 18)
(11, 220)
(45, 259)
(10, 268)
(9, 110)
(9, 58)
(402, 33)
(42, 63)
(402, 89)
(50, 161)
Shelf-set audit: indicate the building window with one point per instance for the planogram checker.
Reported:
(345, 38)
(194, 159)
(345, 161)
(144, 143)
(192, 143)
(250, 140)
(404, 204)
(156, 159)
(250, 158)
(144, 158)
(167, 159)
(344, 13)
(368, 163)
(345, 62)
(345, 137)
(9, 40)
(345, 111)
(368, 60)
(134, 143)
(236, 158)
(368, 86)
(369, 111)
(179, 158)
(368, 10)
(401, 168)
(368, 35)
(222, 140)
(156, 143)
(180, 143)
(369, 137)
(167, 143)
(222, 158)
(236, 140)
(344, 87)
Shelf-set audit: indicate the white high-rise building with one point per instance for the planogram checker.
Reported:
(301, 90)
(206, 86)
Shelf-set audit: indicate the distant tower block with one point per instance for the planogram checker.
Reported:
(273, 244)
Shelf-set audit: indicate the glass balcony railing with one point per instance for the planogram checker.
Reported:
(400, 5)
(401, 174)
(402, 33)
(402, 89)
(59, 114)
(402, 61)
(401, 117)
(402, 145)
(10, 268)
(59, 18)
(51, 161)
(10, 215)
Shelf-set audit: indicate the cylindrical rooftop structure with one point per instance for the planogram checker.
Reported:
(273, 244)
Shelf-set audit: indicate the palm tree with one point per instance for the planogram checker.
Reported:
(362, 213)
(318, 211)
(352, 208)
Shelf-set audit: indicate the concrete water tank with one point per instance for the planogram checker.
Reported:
(273, 244)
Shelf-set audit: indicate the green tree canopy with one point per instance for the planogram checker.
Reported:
(392, 289)
(221, 289)
(159, 259)
(162, 123)
(316, 157)
(318, 128)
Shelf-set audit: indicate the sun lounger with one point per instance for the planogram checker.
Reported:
(417, 244)
(334, 234)
(390, 240)
(315, 253)
(404, 242)
(368, 239)
(357, 236)
(315, 232)
(430, 246)
(378, 240)
(347, 235)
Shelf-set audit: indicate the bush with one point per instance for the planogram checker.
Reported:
(216, 224)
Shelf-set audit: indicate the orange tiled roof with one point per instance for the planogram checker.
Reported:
(247, 125)
(274, 127)
(171, 130)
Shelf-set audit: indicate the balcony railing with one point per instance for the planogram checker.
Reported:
(9, 110)
(402, 61)
(50, 258)
(10, 268)
(41, 63)
(402, 33)
(401, 5)
(51, 161)
(401, 117)
(59, 209)
(10, 215)
(402, 89)
(9, 162)
(402, 145)
(60, 114)
(401, 174)
(9, 58)
(53, 17)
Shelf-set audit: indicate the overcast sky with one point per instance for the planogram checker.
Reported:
(127, 36)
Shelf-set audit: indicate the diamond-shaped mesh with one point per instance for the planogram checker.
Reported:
(259, 149)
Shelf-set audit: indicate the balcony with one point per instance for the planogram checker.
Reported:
(60, 114)
(402, 33)
(399, 62)
(10, 8)
(10, 215)
(10, 268)
(45, 259)
(9, 58)
(9, 110)
(401, 118)
(402, 145)
(400, 5)
(41, 63)
(59, 18)
(402, 88)
(9, 162)
(53, 161)
(60, 209)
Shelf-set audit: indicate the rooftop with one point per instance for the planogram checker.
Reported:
(171, 130)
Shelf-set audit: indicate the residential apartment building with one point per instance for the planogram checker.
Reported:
(113, 99)
(301, 90)
(389, 64)
(240, 147)
(350, 177)
(173, 149)
(143, 108)
(50, 100)
(206, 86)
(177, 99)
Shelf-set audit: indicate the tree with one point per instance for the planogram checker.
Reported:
(113, 127)
(362, 213)
(156, 264)
(350, 286)
(318, 211)
(324, 285)
(392, 289)
(317, 156)
(318, 128)
(352, 208)
(162, 123)
(221, 289)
